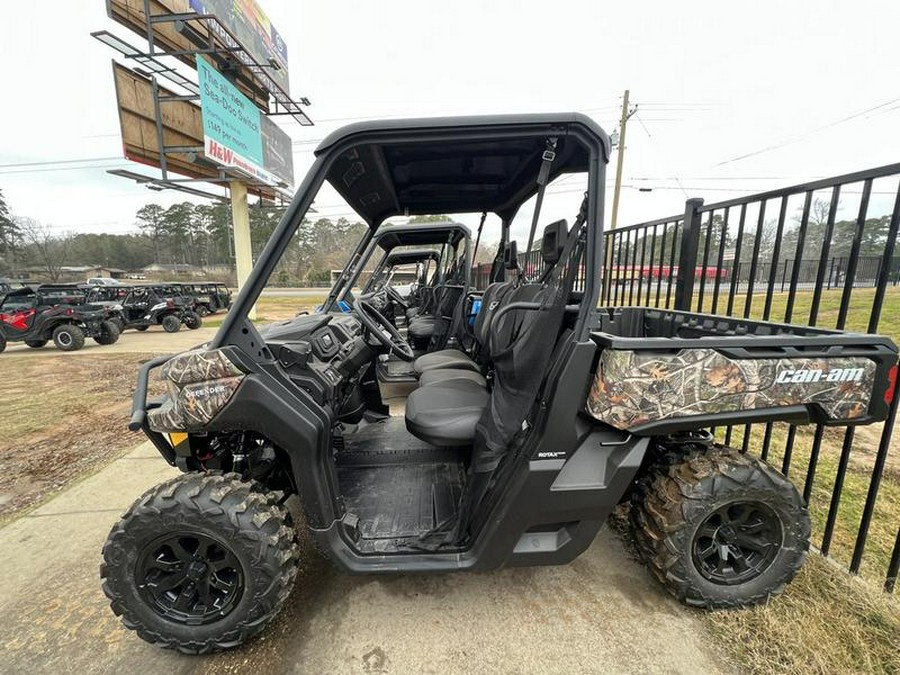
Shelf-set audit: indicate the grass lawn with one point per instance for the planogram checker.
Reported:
(62, 418)
(826, 622)
(278, 308)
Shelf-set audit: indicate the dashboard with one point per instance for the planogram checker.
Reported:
(323, 354)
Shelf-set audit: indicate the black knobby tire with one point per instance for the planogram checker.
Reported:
(68, 337)
(171, 323)
(192, 320)
(718, 528)
(202, 310)
(251, 526)
(120, 324)
(141, 329)
(109, 333)
(36, 344)
(2, 344)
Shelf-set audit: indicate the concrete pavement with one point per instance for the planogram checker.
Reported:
(601, 614)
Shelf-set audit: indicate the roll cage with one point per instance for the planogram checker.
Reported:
(442, 165)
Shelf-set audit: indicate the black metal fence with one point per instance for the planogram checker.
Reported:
(821, 253)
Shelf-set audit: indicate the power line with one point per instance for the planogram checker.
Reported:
(797, 139)
(64, 168)
(650, 137)
(61, 161)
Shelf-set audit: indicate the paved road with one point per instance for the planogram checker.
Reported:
(601, 614)
(153, 341)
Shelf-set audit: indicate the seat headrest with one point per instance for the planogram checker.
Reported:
(554, 241)
(511, 256)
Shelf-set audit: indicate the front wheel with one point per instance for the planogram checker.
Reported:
(68, 338)
(720, 529)
(36, 344)
(200, 563)
(171, 323)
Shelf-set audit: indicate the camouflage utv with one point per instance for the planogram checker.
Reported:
(512, 446)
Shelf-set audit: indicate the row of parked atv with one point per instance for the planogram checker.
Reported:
(68, 314)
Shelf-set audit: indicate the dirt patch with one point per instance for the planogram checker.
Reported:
(60, 420)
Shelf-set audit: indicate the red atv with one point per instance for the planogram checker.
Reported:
(27, 315)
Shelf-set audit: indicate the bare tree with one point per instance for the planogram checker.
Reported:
(51, 250)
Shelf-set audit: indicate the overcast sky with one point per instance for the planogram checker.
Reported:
(713, 81)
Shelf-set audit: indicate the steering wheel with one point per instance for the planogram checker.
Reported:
(383, 330)
(392, 293)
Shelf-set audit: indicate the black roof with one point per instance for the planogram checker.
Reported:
(25, 290)
(413, 256)
(453, 164)
(420, 234)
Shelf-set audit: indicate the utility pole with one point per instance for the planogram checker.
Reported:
(240, 223)
(620, 160)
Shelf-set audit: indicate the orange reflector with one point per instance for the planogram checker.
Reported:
(892, 385)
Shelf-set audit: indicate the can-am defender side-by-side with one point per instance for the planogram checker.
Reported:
(36, 316)
(516, 440)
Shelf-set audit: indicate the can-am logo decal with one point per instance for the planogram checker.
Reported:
(818, 375)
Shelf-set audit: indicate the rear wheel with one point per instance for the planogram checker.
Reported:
(200, 563)
(2, 344)
(141, 329)
(36, 344)
(171, 323)
(720, 529)
(202, 310)
(192, 320)
(109, 333)
(68, 338)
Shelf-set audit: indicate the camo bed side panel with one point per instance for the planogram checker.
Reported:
(636, 387)
(200, 383)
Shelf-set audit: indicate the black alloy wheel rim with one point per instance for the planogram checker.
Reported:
(189, 578)
(737, 542)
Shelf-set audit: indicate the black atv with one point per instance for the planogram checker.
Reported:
(109, 297)
(207, 298)
(158, 305)
(512, 449)
(37, 315)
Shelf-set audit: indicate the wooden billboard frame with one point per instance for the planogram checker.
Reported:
(131, 14)
(182, 126)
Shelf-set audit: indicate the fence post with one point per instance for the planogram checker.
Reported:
(687, 255)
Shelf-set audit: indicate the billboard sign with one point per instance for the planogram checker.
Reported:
(251, 27)
(240, 17)
(236, 135)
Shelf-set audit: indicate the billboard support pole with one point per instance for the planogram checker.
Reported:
(240, 223)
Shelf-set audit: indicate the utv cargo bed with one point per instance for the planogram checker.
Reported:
(661, 371)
